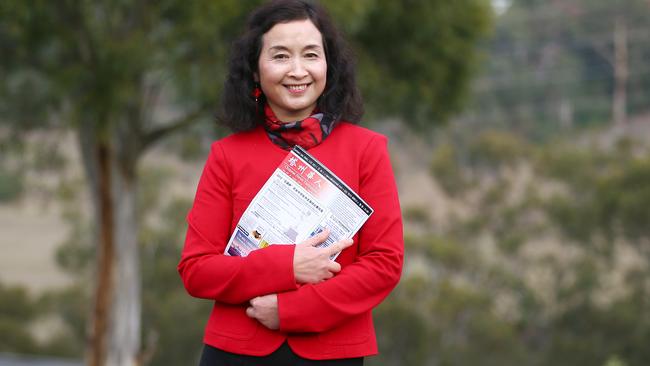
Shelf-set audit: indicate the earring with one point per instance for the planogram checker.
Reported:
(256, 93)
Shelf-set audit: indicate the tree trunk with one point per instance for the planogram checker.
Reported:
(565, 113)
(124, 332)
(619, 103)
(114, 331)
(105, 257)
(97, 166)
(110, 153)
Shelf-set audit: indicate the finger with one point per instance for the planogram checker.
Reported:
(334, 267)
(255, 301)
(250, 311)
(326, 277)
(316, 239)
(339, 246)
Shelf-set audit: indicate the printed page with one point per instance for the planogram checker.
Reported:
(300, 199)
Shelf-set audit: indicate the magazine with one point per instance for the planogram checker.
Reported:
(300, 199)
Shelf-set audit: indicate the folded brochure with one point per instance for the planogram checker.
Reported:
(300, 199)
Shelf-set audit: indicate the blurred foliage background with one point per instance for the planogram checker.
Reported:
(520, 132)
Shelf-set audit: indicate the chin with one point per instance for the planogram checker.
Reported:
(297, 108)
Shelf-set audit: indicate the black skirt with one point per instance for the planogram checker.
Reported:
(283, 356)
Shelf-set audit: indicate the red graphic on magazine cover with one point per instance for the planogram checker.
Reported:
(304, 175)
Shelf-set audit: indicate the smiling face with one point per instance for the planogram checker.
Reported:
(292, 69)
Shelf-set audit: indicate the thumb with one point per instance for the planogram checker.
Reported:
(250, 311)
(316, 239)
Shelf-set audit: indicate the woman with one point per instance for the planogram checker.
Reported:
(291, 82)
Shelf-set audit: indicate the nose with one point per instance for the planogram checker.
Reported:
(298, 69)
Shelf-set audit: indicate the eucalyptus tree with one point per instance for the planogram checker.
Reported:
(123, 75)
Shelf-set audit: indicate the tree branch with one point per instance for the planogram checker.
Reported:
(154, 135)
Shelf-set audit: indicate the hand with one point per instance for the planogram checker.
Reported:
(313, 265)
(265, 310)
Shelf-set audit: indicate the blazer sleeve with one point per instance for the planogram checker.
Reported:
(364, 283)
(205, 270)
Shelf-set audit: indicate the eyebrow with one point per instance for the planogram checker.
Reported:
(284, 48)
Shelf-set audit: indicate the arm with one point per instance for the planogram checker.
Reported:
(205, 270)
(364, 283)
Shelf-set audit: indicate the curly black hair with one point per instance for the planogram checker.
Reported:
(341, 98)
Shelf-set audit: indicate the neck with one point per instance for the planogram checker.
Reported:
(293, 117)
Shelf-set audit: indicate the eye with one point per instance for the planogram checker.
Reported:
(280, 56)
(312, 55)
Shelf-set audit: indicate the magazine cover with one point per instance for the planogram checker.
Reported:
(300, 199)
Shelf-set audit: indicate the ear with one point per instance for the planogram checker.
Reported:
(256, 77)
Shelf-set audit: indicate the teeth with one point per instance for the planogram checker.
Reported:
(297, 87)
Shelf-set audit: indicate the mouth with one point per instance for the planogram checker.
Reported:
(298, 88)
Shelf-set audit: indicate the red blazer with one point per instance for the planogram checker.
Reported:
(328, 320)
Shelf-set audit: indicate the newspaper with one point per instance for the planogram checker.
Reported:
(300, 199)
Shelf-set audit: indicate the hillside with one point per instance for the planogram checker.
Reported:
(33, 228)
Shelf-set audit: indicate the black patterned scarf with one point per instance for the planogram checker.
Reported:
(307, 133)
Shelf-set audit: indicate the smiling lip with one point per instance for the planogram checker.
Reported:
(297, 88)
